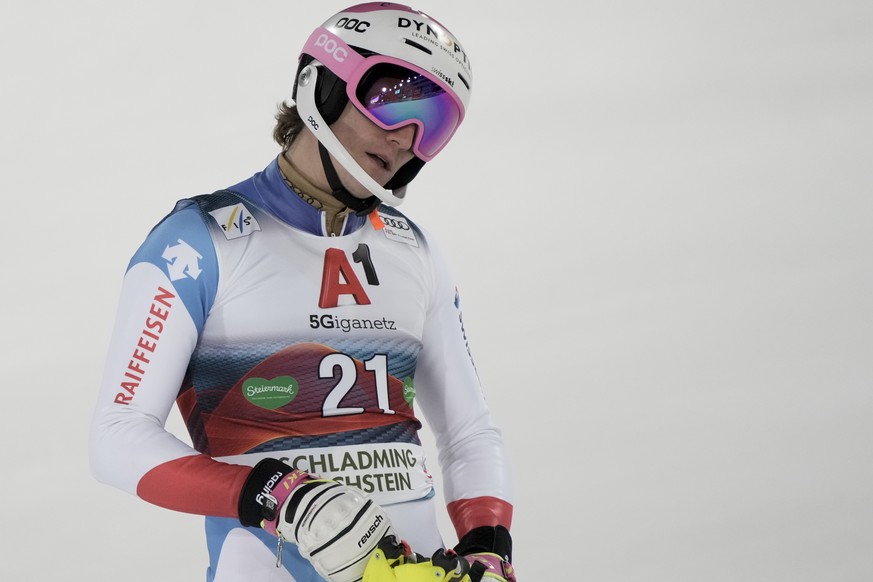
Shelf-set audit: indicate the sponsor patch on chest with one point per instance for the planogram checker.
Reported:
(398, 230)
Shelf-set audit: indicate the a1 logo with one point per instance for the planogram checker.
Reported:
(270, 394)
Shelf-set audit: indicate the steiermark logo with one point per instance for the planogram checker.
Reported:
(408, 390)
(270, 394)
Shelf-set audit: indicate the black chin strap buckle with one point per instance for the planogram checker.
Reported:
(360, 206)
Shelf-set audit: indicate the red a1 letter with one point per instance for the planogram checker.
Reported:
(338, 278)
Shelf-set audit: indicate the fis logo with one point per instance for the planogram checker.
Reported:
(235, 221)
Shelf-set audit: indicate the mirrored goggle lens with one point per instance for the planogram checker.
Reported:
(394, 95)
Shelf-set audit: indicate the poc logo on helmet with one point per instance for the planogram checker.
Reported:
(331, 47)
(352, 24)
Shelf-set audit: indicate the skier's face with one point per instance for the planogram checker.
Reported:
(378, 151)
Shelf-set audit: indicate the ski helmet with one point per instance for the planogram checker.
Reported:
(397, 66)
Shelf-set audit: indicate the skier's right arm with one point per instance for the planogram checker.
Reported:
(168, 289)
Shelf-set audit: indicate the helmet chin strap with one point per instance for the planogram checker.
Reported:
(328, 143)
(360, 206)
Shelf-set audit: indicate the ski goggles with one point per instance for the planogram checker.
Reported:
(392, 93)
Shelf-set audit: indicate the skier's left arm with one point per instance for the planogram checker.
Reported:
(472, 454)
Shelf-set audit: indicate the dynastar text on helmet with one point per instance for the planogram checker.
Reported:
(422, 28)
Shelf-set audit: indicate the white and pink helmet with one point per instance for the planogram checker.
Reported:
(397, 66)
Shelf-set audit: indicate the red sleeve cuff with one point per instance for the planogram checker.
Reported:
(467, 514)
(195, 484)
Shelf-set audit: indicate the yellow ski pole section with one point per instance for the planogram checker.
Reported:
(382, 568)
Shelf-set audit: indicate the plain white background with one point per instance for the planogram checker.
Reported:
(659, 214)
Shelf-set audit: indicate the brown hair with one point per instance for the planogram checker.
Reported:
(288, 125)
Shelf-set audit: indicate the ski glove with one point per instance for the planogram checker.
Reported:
(334, 526)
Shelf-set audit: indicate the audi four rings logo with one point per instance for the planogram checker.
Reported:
(394, 223)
